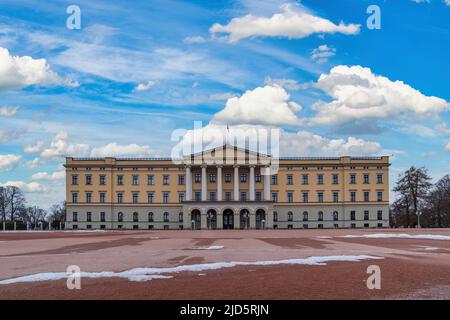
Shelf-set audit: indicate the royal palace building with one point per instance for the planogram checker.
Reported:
(227, 188)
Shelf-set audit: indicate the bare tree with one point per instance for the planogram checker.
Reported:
(437, 212)
(15, 200)
(3, 203)
(32, 215)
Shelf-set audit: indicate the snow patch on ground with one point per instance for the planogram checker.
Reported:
(209, 248)
(324, 237)
(399, 235)
(146, 274)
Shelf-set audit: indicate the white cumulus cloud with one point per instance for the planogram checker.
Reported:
(8, 111)
(38, 147)
(447, 147)
(60, 147)
(293, 22)
(115, 150)
(8, 162)
(194, 39)
(145, 86)
(58, 175)
(322, 53)
(27, 187)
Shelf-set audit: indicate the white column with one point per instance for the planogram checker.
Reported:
(188, 183)
(219, 183)
(266, 174)
(204, 183)
(236, 183)
(252, 183)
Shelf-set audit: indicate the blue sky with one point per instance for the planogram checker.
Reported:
(135, 72)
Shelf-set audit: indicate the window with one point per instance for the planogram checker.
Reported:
(353, 215)
(304, 179)
(353, 178)
(212, 178)
(379, 178)
(150, 217)
(335, 216)
(119, 197)
(335, 179)
(102, 197)
(102, 180)
(366, 178)
(135, 180)
(380, 215)
(88, 197)
(74, 197)
(335, 196)
(102, 226)
(165, 179)
(135, 226)
(198, 196)
(74, 216)
(257, 178)
(305, 216)
(181, 197)
(227, 177)
(89, 179)
(165, 197)
(180, 217)
(243, 196)
(197, 178)
(290, 179)
(320, 179)
(320, 196)
(380, 196)
(366, 225)
(274, 179)
(353, 225)
(120, 179)
(88, 226)
(275, 216)
(166, 217)
(305, 226)
(150, 179)
(212, 196)
(258, 195)
(352, 196)
(120, 217)
(181, 179)
(320, 216)
(290, 197)
(102, 217)
(290, 216)
(74, 179)
(135, 217)
(366, 195)
(243, 178)
(305, 197)
(366, 215)
(227, 195)
(274, 197)
(135, 197)
(150, 197)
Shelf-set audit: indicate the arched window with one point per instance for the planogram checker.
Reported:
(335, 216)
(166, 217)
(120, 217)
(135, 217)
(290, 216)
(180, 217)
(305, 216)
(320, 216)
(150, 217)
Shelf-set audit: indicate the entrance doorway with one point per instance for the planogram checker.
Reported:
(244, 219)
(211, 218)
(228, 219)
(196, 219)
(261, 221)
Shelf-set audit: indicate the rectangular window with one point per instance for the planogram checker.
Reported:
(290, 197)
(119, 197)
(320, 179)
(102, 197)
(102, 217)
(304, 179)
(197, 178)
(352, 196)
(88, 179)
(150, 179)
(380, 215)
(88, 197)
(258, 195)
(227, 177)
(353, 178)
(227, 195)
(135, 197)
(380, 196)
(335, 179)
(135, 180)
(212, 196)
(366, 215)
(353, 215)
(181, 197)
(165, 179)
(366, 196)
(275, 216)
(320, 196)
(257, 178)
(212, 178)
(290, 179)
(74, 179)
(181, 179)
(379, 178)
(243, 178)
(198, 196)
(165, 197)
(102, 180)
(274, 179)
(335, 196)
(274, 197)
(243, 196)
(89, 216)
(120, 179)
(74, 197)
(305, 197)
(75, 216)
(366, 178)
(150, 197)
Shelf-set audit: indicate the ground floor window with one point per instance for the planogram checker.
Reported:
(275, 226)
(366, 225)
(166, 227)
(180, 227)
(150, 226)
(320, 226)
(119, 226)
(135, 226)
(380, 225)
(336, 226)
(88, 226)
(290, 226)
(305, 226)
(75, 226)
(102, 226)
(353, 225)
